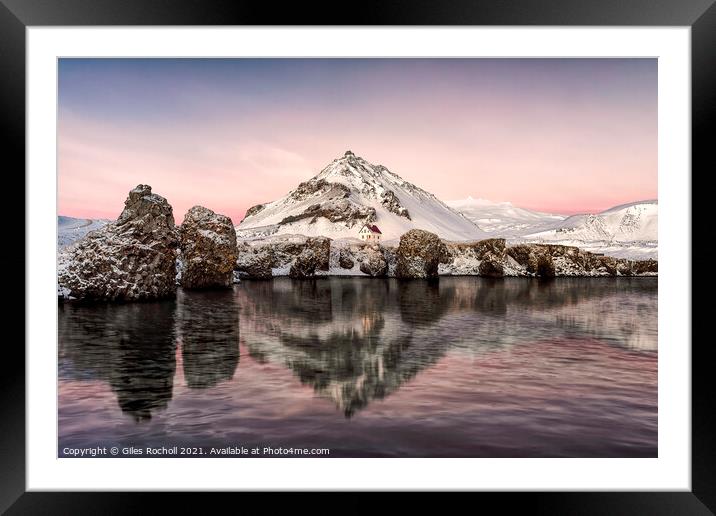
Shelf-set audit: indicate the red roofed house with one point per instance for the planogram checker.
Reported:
(370, 232)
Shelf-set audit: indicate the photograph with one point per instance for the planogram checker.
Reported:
(381, 257)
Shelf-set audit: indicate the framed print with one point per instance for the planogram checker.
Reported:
(417, 252)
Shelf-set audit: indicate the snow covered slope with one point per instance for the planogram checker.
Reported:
(350, 192)
(70, 229)
(502, 219)
(624, 231)
(637, 221)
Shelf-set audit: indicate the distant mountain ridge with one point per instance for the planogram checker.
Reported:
(631, 222)
(70, 229)
(625, 231)
(503, 219)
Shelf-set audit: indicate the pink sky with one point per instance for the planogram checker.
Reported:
(561, 136)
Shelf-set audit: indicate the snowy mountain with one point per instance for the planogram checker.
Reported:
(70, 229)
(637, 221)
(624, 231)
(502, 219)
(351, 192)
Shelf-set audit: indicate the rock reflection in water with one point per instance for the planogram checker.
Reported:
(131, 346)
(208, 329)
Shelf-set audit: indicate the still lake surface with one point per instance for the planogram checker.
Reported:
(466, 367)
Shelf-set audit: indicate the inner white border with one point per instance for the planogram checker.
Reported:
(670, 471)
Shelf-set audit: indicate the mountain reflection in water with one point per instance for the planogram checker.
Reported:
(398, 359)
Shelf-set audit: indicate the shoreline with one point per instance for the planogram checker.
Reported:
(324, 277)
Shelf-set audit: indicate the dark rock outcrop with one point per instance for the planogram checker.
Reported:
(321, 248)
(645, 266)
(537, 259)
(342, 210)
(545, 266)
(492, 246)
(208, 249)
(252, 263)
(256, 260)
(345, 261)
(466, 258)
(374, 262)
(491, 266)
(313, 186)
(254, 210)
(419, 254)
(304, 266)
(607, 264)
(133, 258)
(392, 203)
(485, 257)
(523, 255)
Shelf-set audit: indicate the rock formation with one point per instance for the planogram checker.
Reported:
(482, 258)
(254, 263)
(538, 260)
(259, 259)
(132, 258)
(419, 254)
(491, 266)
(341, 210)
(345, 261)
(374, 262)
(254, 210)
(208, 249)
(321, 247)
(304, 266)
(391, 201)
(645, 266)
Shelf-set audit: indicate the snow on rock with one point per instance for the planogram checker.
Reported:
(315, 256)
(132, 258)
(304, 266)
(254, 262)
(482, 258)
(208, 249)
(277, 255)
(485, 258)
(345, 260)
(274, 256)
(373, 261)
(348, 193)
(419, 254)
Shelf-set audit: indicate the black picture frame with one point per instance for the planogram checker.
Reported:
(17, 15)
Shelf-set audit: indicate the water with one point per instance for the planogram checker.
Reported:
(465, 367)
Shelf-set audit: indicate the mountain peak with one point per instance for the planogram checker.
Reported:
(350, 159)
(351, 191)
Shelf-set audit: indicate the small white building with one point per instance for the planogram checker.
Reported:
(370, 232)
